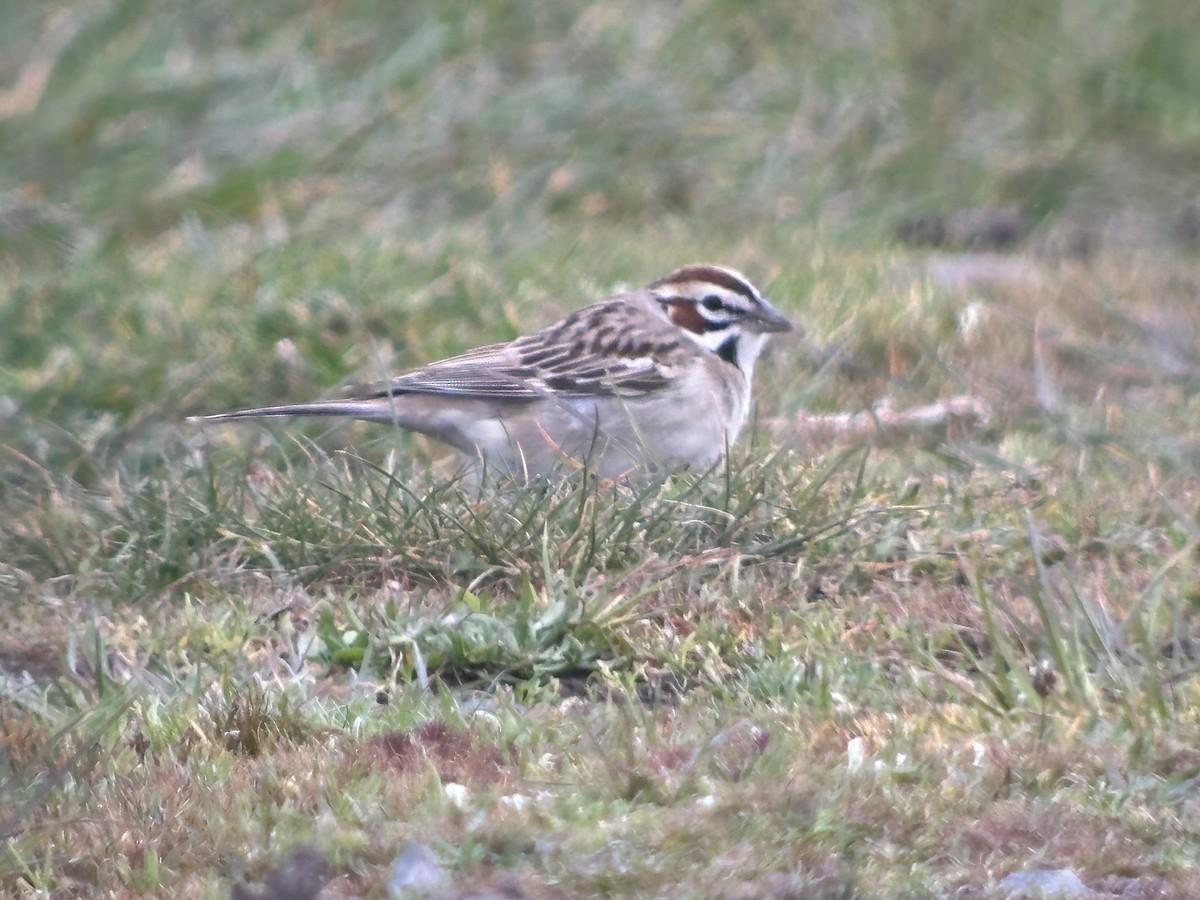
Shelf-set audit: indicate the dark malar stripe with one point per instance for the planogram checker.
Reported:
(728, 348)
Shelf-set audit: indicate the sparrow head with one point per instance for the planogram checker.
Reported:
(721, 310)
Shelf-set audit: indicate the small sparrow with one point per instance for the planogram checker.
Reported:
(657, 378)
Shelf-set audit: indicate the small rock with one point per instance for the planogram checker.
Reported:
(1044, 884)
(457, 795)
(300, 876)
(416, 870)
(856, 754)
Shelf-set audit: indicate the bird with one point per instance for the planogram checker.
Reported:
(656, 379)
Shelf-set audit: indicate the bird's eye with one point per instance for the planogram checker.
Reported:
(712, 303)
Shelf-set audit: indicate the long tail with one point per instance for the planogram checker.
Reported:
(375, 409)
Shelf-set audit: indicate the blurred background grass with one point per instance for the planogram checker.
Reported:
(185, 185)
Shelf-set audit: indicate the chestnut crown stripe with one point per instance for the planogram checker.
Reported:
(709, 275)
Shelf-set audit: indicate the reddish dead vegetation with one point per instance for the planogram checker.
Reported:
(1014, 831)
(457, 756)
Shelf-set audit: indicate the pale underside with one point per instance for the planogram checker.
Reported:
(609, 436)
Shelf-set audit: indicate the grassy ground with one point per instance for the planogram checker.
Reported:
(845, 665)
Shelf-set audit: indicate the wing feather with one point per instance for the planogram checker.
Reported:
(615, 348)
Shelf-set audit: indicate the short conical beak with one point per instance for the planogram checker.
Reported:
(768, 319)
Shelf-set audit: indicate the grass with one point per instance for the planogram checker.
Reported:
(887, 665)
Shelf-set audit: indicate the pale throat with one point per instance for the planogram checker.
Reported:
(735, 346)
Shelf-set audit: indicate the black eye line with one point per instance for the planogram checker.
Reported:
(710, 302)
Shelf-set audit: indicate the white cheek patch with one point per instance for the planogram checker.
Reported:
(710, 340)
